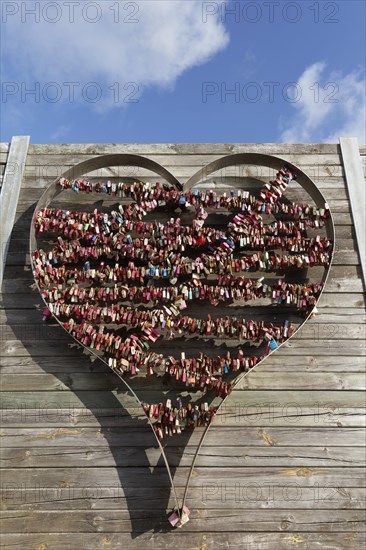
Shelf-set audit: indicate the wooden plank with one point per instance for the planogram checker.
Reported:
(339, 331)
(18, 252)
(325, 184)
(258, 379)
(332, 195)
(337, 206)
(263, 380)
(50, 407)
(347, 256)
(315, 166)
(241, 436)
(256, 414)
(142, 476)
(340, 300)
(348, 315)
(309, 331)
(336, 198)
(184, 148)
(145, 520)
(81, 364)
(183, 167)
(344, 244)
(112, 399)
(183, 540)
(310, 335)
(10, 193)
(32, 498)
(18, 278)
(14, 348)
(290, 414)
(123, 457)
(30, 300)
(43, 161)
(341, 257)
(181, 171)
(23, 221)
(357, 193)
(343, 279)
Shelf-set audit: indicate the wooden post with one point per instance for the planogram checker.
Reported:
(10, 193)
(357, 193)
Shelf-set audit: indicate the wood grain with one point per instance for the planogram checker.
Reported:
(192, 541)
(282, 465)
(118, 521)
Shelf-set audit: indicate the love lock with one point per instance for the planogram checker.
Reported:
(120, 285)
(179, 517)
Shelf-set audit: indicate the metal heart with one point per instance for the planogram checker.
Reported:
(171, 262)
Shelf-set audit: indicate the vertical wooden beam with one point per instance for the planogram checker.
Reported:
(4, 150)
(13, 176)
(355, 180)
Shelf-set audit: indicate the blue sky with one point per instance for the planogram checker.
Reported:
(161, 71)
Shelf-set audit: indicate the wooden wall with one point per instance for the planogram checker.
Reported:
(282, 466)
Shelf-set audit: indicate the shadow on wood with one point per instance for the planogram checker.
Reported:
(107, 408)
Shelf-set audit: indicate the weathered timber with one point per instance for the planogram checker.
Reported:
(282, 464)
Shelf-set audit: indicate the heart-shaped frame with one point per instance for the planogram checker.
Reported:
(254, 159)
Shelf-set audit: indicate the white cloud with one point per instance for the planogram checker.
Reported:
(167, 39)
(330, 105)
(60, 132)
